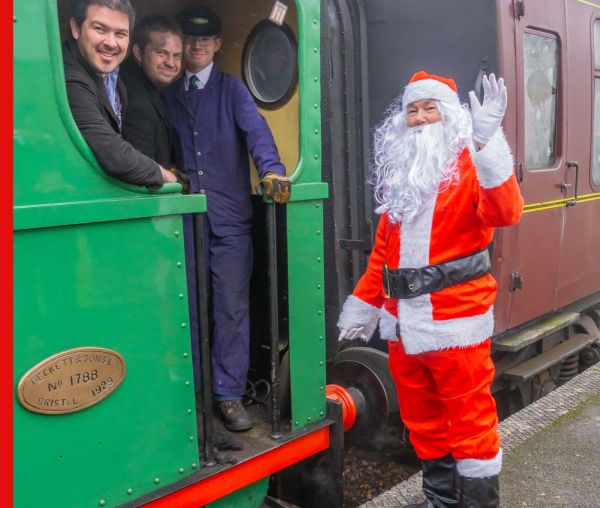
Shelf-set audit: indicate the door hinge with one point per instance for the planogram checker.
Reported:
(516, 281)
(519, 8)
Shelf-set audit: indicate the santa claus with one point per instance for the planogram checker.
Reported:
(443, 180)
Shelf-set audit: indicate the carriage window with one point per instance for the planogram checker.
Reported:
(540, 62)
(269, 64)
(596, 131)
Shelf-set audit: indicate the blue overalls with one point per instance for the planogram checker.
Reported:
(213, 131)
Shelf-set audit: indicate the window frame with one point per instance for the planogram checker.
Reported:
(245, 64)
(558, 117)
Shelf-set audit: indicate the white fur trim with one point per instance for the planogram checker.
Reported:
(359, 314)
(479, 468)
(418, 330)
(428, 89)
(421, 333)
(387, 326)
(494, 162)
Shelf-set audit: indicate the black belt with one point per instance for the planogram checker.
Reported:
(411, 282)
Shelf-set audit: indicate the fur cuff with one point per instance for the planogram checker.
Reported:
(359, 314)
(478, 468)
(494, 162)
(387, 326)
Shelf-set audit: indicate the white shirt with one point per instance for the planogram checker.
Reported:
(202, 76)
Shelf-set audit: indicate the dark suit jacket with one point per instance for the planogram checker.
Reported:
(99, 125)
(146, 124)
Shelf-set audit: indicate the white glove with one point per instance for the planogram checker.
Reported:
(351, 334)
(488, 117)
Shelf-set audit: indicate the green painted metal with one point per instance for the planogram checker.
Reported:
(304, 234)
(100, 263)
(61, 214)
(97, 263)
(251, 496)
(119, 285)
(307, 311)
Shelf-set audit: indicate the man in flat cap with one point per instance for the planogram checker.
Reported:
(215, 124)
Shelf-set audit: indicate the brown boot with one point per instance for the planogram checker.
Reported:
(235, 415)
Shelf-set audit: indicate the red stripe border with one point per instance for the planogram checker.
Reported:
(215, 487)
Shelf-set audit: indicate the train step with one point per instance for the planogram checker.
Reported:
(517, 341)
(530, 368)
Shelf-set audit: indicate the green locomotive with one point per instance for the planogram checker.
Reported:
(105, 412)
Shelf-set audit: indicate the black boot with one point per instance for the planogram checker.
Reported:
(480, 492)
(440, 483)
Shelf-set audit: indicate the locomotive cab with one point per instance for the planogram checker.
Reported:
(150, 437)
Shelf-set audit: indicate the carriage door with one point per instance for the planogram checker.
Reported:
(540, 155)
(579, 267)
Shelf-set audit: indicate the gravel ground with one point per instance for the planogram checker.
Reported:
(369, 473)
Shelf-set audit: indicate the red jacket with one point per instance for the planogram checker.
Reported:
(460, 221)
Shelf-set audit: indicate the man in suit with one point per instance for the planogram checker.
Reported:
(155, 62)
(216, 123)
(98, 44)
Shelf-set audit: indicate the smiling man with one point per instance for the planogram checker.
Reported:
(98, 45)
(155, 62)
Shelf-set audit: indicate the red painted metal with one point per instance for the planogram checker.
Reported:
(241, 475)
(340, 394)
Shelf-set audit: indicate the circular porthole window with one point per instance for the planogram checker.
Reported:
(270, 64)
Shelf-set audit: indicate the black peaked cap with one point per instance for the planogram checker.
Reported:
(199, 21)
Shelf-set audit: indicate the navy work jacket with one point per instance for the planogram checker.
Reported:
(212, 137)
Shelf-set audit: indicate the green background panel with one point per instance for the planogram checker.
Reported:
(118, 285)
(307, 312)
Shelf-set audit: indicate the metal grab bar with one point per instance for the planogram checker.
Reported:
(274, 321)
(202, 302)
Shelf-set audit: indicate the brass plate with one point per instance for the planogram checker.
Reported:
(71, 381)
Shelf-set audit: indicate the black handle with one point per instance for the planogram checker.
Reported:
(574, 164)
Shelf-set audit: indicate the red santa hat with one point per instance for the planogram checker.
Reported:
(429, 86)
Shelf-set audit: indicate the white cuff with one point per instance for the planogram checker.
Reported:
(359, 314)
(479, 468)
(494, 163)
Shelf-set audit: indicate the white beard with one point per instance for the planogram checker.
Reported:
(411, 165)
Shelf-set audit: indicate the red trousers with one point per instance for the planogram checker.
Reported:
(446, 402)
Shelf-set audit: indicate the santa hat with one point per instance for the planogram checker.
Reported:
(429, 86)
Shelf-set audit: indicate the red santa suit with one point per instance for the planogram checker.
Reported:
(441, 358)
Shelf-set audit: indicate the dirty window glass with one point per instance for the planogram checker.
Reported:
(596, 132)
(269, 65)
(540, 59)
